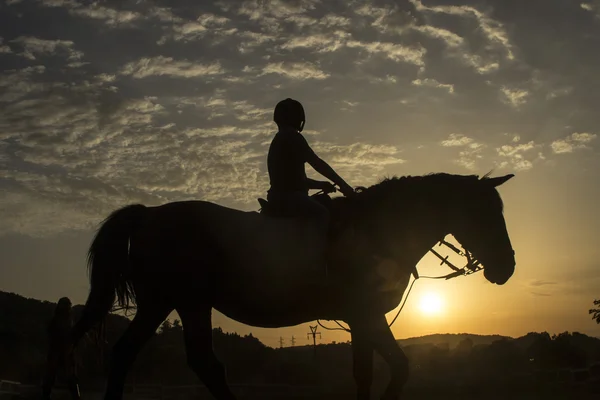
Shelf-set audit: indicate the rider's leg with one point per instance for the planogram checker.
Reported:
(318, 214)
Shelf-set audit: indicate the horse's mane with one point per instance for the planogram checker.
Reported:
(404, 184)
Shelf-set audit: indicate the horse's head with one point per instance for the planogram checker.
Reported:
(477, 222)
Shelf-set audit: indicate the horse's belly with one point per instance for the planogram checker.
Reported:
(264, 310)
(268, 250)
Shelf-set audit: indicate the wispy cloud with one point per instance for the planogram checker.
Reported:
(295, 70)
(3, 47)
(450, 38)
(575, 141)
(491, 29)
(33, 46)
(396, 52)
(540, 282)
(456, 139)
(514, 97)
(428, 82)
(181, 107)
(514, 155)
(470, 150)
(110, 16)
(161, 66)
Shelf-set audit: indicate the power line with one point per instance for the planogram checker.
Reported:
(281, 340)
(293, 340)
(314, 333)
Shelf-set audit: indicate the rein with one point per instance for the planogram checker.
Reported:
(471, 267)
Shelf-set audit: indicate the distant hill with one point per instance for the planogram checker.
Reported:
(452, 339)
(23, 353)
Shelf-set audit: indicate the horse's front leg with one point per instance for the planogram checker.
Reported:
(382, 340)
(362, 357)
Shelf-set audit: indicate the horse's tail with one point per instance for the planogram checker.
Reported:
(108, 262)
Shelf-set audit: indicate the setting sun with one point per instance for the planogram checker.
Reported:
(430, 304)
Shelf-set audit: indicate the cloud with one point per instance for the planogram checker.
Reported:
(592, 7)
(181, 107)
(514, 97)
(456, 139)
(219, 106)
(539, 282)
(428, 82)
(510, 150)
(470, 150)
(349, 105)
(109, 16)
(4, 48)
(207, 24)
(322, 43)
(450, 38)
(486, 59)
(167, 66)
(491, 29)
(250, 41)
(573, 142)
(17, 84)
(295, 70)
(469, 155)
(358, 162)
(395, 52)
(515, 155)
(33, 46)
(280, 9)
(103, 161)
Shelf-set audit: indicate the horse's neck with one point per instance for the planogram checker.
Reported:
(404, 238)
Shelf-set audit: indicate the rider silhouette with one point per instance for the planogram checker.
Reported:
(60, 356)
(288, 153)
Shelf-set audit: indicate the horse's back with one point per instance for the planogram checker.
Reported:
(260, 242)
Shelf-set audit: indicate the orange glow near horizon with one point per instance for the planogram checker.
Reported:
(431, 304)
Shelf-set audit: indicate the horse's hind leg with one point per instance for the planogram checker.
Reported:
(143, 326)
(197, 331)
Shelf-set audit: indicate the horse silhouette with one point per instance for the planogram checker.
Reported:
(193, 256)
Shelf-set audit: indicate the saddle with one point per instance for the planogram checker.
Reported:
(272, 210)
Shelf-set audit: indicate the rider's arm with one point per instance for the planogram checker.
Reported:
(314, 184)
(323, 168)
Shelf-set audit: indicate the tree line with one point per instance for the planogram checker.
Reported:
(249, 361)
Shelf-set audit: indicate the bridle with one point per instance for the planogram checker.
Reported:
(472, 266)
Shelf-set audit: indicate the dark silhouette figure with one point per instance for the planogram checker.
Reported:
(193, 256)
(61, 356)
(288, 153)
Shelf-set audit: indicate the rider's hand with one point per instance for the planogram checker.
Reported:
(328, 187)
(347, 190)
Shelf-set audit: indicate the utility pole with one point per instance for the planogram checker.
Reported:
(314, 333)
(281, 340)
(293, 340)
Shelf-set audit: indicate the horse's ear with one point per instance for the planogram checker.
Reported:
(498, 180)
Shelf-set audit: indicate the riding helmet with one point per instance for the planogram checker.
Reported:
(290, 112)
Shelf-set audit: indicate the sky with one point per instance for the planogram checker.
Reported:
(108, 103)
